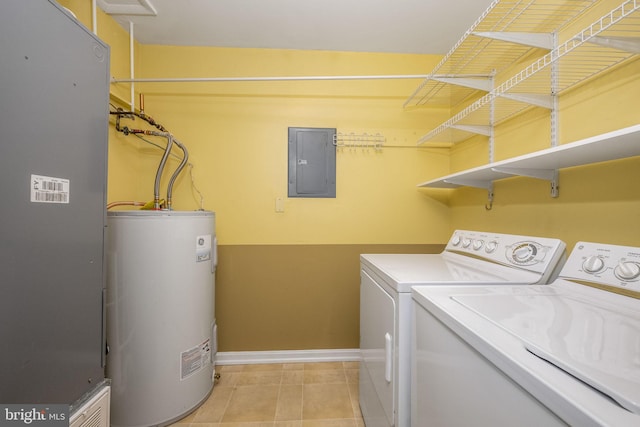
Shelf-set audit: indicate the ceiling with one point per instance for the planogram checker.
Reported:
(395, 26)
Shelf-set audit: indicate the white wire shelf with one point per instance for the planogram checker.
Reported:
(609, 41)
(483, 49)
(544, 164)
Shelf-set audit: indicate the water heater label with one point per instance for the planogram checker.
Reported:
(195, 359)
(47, 189)
(203, 248)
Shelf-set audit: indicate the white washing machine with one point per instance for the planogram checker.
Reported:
(470, 257)
(567, 353)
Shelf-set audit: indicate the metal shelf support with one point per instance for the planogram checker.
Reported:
(547, 174)
(471, 83)
(477, 129)
(539, 40)
(476, 183)
(550, 175)
(539, 100)
(628, 44)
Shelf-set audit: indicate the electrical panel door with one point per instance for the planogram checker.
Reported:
(312, 162)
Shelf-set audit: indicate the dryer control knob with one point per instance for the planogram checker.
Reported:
(593, 264)
(455, 240)
(477, 245)
(491, 246)
(466, 242)
(627, 270)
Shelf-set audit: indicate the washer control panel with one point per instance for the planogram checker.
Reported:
(538, 254)
(611, 265)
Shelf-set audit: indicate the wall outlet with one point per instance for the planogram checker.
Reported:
(279, 205)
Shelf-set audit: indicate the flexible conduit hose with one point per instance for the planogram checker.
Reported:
(163, 161)
(170, 141)
(177, 172)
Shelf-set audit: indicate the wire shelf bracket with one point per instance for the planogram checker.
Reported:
(475, 129)
(539, 40)
(484, 84)
(543, 101)
(550, 175)
(628, 44)
(476, 183)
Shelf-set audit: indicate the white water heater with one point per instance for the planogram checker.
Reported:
(161, 330)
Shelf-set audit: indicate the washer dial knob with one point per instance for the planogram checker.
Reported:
(627, 270)
(466, 242)
(491, 247)
(524, 253)
(455, 240)
(593, 264)
(477, 245)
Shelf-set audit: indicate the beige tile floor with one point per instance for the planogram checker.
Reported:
(282, 395)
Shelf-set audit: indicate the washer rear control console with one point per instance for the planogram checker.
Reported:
(506, 249)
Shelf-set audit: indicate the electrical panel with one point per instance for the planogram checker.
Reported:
(312, 162)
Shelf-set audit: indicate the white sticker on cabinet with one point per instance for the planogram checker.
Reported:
(47, 189)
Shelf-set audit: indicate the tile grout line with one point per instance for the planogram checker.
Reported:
(282, 374)
(275, 415)
(354, 405)
(346, 379)
(304, 368)
(226, 405)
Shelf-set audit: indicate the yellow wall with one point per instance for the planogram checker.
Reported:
(237, 136)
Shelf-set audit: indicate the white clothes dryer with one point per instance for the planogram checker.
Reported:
(470, 257)
(567, 353)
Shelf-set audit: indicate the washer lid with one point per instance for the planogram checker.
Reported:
(402, 271)
(594, 336)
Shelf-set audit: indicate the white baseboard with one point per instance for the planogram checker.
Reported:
(287, 356)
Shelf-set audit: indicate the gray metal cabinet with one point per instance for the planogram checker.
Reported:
(54, 94)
